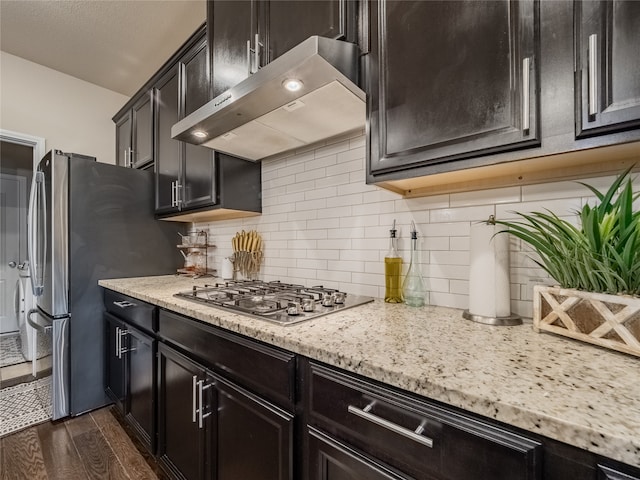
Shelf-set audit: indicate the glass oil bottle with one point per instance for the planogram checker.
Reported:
(413, 287)
(393, 270)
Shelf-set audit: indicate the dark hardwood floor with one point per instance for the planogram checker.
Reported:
(92, 446)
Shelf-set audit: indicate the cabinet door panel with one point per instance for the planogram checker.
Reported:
(142, 140)
(181, 443)
(449, 80)
(199, 176)
(289, 23)
(167, 149)
(141, 391)
(115, 365)
(195, 78)
(123, 140)
(331, 460)
(231, 25)
(607, 80)
(249, 424)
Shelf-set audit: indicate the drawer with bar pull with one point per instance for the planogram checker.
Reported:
(413, 435)
(131, 310)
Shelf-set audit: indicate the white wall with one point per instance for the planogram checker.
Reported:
(322, 224)
(71, 114)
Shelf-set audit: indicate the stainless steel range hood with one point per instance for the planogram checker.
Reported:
(259, 117)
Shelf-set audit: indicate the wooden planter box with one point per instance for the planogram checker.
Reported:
(611, 321)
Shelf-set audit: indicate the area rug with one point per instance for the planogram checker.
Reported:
(24, 405)
(10, 350)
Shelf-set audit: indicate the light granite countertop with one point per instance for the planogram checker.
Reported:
(563, 389)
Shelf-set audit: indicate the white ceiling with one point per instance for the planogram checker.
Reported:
(117, 44)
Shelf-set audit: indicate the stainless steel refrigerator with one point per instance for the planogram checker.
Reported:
(88, 221)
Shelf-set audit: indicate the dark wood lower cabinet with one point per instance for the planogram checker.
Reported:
(141, 394)
(130, 376)
(115, 374)
(331, 460)
(254, 438)
(182, 441)
(212, 429)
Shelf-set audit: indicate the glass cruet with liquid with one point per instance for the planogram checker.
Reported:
(393, 270)
(413, 287)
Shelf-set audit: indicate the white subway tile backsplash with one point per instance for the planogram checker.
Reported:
(321, 162)
(316, 204)
(449, 300)
(460, 287)
(346, 232)
(337, 276)
(340, 200)
(311, 264)
(346, 265)
(561, 207)
(449, 258)
(458, 243)
(486, 197)
(332, 149)
(367, 278)
(452, 272)
(340, 180)
(311, 234)
(447, 229)
(373, 208)
(461, 214)
(300, 186)
(438, 284)
(321, 223)
(434, 243)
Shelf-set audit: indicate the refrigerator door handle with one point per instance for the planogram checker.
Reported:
(38, 326)
(37, 195)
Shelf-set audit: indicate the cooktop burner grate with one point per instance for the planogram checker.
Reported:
(279, 302)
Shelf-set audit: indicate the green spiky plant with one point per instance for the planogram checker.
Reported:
(602, 255)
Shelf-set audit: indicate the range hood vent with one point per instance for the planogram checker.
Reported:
(259, 117)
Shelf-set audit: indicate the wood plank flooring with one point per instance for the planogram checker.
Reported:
(92, 446)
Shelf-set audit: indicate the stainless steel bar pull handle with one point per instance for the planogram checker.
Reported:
(256, 53)
(121, 333)
(117, 339)
(526, 86)
(124, 304)
(194, 384)
(249, 71)
(201, 415)
(178, 194)
(173, 193)
(405, 432)
(593, 77)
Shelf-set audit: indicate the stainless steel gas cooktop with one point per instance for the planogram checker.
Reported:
(282, 303)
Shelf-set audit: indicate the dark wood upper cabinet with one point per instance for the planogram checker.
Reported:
(607, 66)
(195, 75)
(142, 132)
(166, 94)
(450, 80)
(185, 173)
(288, 23)
(245, 35)
(134, 133)
(123, 139)
(231, 25)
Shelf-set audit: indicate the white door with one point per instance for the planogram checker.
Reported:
(13, 234)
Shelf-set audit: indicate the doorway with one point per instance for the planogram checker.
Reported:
(18, 156)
